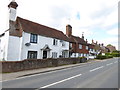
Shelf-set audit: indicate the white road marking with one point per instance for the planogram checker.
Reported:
(46, 72)
(109, 64)
(115, 62)
(96, 68)
(83, 64)
(61, 81)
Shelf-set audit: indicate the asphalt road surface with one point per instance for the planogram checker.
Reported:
(103, 74)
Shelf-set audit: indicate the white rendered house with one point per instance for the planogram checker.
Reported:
(29, 40)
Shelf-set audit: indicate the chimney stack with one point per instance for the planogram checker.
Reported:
(92, 41)
(86, 41)
(82, 35)
(68, 30)
(102, 44)
(12, 13)
(99, 45)
(96, 42)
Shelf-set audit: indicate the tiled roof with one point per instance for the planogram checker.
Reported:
(79, 40)
(35, 28)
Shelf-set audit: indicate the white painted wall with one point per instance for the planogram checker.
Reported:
(42, 41)
(14, 48)
(4, 46)
(12, 15)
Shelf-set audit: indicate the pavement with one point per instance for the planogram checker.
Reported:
(93, 74)
(13, 75)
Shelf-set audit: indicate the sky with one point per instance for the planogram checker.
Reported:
(98, 19)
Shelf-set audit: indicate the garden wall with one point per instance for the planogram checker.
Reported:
(13, 66)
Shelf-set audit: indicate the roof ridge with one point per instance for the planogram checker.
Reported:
(39, 24)
(33, 27)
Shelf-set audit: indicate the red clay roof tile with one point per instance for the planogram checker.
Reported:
(35, 28)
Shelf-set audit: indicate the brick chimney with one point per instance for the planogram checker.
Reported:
(96, 42)
(12, 10)
(102, 44)
(68, 30)
(83, 35)
(86, 41)
(92, 41)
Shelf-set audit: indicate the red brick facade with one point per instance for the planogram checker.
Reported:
(76, 41)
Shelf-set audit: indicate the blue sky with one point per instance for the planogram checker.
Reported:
(98, 19)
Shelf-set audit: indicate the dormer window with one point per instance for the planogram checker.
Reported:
(55, 41)
(33, 38)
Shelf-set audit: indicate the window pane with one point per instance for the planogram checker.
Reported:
(33, 38)
(32, 54)
(53, 41)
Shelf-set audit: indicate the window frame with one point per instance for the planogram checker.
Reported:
(87, 47)
(63, 44)
(55, 42)
(33, 38)
(30, 53)
(80, 46)
(54, 54)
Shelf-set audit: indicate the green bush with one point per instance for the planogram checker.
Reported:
(81, 57)
(116, 54)
(109, 56)
(101, 57)
(108, 53)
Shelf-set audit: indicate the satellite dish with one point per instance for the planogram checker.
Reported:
(27, 44)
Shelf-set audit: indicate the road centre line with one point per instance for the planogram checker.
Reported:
(96, 68)
(115, 62)
(109, 64)
(83, 64)
(60, 81)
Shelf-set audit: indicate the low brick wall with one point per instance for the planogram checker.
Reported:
(13, 66)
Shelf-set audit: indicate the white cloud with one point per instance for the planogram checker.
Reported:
(55, 13)
(110, 40)
(113, 31)
(111, 19)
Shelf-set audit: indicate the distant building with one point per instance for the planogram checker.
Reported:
(92, 52)
(97, 47)
(111, 48)
(78, 46)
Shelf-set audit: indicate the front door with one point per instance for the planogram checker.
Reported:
(44, 54)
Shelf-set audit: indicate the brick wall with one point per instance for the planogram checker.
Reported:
(13, 66)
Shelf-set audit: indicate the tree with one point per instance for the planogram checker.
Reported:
(109, 45)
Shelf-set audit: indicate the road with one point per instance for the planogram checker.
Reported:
(103, 74)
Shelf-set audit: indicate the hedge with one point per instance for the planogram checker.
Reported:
(104, 56)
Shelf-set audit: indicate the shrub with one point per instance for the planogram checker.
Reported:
(101, 57)
(82, 59)
(109, 56)
(116, 54)
(108, 53)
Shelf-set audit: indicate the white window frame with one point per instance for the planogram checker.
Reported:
(80, 46)
(86, 47)
(55, 42)
(54, 54)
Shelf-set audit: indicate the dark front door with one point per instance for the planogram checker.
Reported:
(44, 54)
